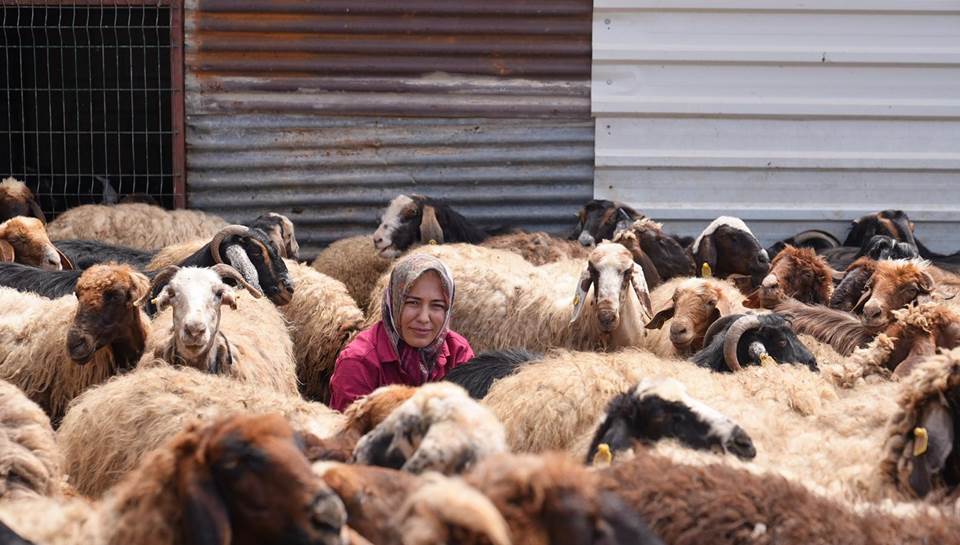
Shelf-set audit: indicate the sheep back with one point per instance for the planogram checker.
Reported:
(538, 248)
(355, 262)
(30, 462)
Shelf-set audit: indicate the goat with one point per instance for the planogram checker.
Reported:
(508, 302)
(652, 411)
(418, 219)
(796, 273)
(728, 248)
(479, 374)
(16, 199)
(24, 240)
(881, 287)
(691, 306)
(439, 428)
(55, 349)
(747, 339)
(598, 220)
(669, 257)
(238, 480)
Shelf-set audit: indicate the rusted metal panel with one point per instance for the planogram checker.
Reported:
(177, 105)
(326, 110)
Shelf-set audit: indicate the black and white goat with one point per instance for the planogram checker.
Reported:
(415, 219)
(599, 219)
(729, 249)
(655, 410)
(737, 340)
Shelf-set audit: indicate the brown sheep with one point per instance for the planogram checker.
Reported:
(666, 253)
(363, 415)
(16, 199)
(24, 240)
(30, 462)
(796, 273)
(884, 286)
(690, 306)
(239, 480)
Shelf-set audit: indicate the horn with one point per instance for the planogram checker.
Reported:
(732, 339)
(65, 262)
(227, 231)
(161, 278)
(430, 230)
(226, 271)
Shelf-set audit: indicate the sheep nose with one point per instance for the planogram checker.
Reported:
(586, 239)
(872, 311)
(770, 281)
(194, 329)
(740, 444)
(607, 318)
(377, 240)
(678, 330)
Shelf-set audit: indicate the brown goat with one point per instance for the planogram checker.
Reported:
(629, 240)
(722, 505)
(24, 240)
(241, 480)
(691, 305)
(16, 199)
(892, 285)
(797, 273)
(918, 332)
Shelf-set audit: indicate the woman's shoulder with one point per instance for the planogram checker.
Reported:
(458, 344)
(363, 346)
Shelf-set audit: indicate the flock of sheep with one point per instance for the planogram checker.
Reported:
(630, 386)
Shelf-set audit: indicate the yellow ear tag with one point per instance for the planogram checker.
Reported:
(434, 242)
(920, 441)
(767, 360)
(706, 271)
(153, 301)
(603, 457)
(576, 299)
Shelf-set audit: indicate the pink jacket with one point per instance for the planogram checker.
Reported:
(369, 362)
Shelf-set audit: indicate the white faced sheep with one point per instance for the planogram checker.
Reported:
(24, 240)
(109, 429)
(685, 308)
(238, 480)
(250, 342)
(135, 225)
(439, 428)
(507, 302)
(55, 349)
(30, 462)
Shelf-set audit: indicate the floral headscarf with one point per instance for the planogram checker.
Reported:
(404, 274)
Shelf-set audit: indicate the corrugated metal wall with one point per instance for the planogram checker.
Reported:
(326, 110)
(788, 114)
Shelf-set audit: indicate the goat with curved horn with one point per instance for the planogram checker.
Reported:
(218, 239)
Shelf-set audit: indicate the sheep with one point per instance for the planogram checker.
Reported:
(55, 349)
(599, 220)
(729, 249)
(24, 240)
(738, 340)
(242, 479)
(669, 257)
(355, 262)
(691, 504)
(409, 220)
(135, 225)
(109, 429)
(628, 239)
(250, 342)
(479, 373)
(655, 410)
(796, 273)
(556, 403)
(16, 199)
(87, 253)
(879, 287)
(322, 318)
(51, 284)
(362, 416)
(507, 302)
(439, 428)
(685, 308)
(30, 462)
(538, 248)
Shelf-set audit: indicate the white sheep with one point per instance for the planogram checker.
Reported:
(355, 262)
(504, 301)
(135, 225)
(30, 461)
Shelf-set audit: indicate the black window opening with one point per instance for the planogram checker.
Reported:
(86, 110)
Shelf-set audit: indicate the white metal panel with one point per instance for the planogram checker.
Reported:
(791, 114)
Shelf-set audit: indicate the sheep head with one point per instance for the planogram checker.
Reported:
(611, 272)
(696, 304)
(652, 411)
(245, 480)
(107, 314)
(797, 273)
(196, 295)
(254, 254)
(598, 220)
(891, 223)
(891, 286)
(666, 253)
(281, 232)
(16, 199)
(24, 240)
(747, 339)
(729, 248)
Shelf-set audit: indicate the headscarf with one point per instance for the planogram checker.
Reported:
(404, 274)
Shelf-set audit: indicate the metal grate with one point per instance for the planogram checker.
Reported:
(91, 101)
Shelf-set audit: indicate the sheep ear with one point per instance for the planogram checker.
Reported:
(430, 230)
(580, 298)
(661, 317)
(37, 211)
(65, 262)
(929, 459)
(205, 519)
(706, 254)
(615, 432)
(926, 283)
(6, 252)
(639, 283)
(163, 299)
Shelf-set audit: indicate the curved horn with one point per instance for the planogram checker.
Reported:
(160, 279)
(732, 339)
(218, 239)
(226, 271)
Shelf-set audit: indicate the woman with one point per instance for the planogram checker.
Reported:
(412, 344)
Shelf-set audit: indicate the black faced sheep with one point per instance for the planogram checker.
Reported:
(728, 248)
(738, 340)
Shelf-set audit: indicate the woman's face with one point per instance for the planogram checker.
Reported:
(424, 309)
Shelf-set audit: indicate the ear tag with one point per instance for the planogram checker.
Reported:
(603, 457)
(576, 299)
(767, 360)
(154, 301)
(706, 271)
(433, 242)
(920, 442)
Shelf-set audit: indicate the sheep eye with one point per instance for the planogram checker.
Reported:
(712, 303)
